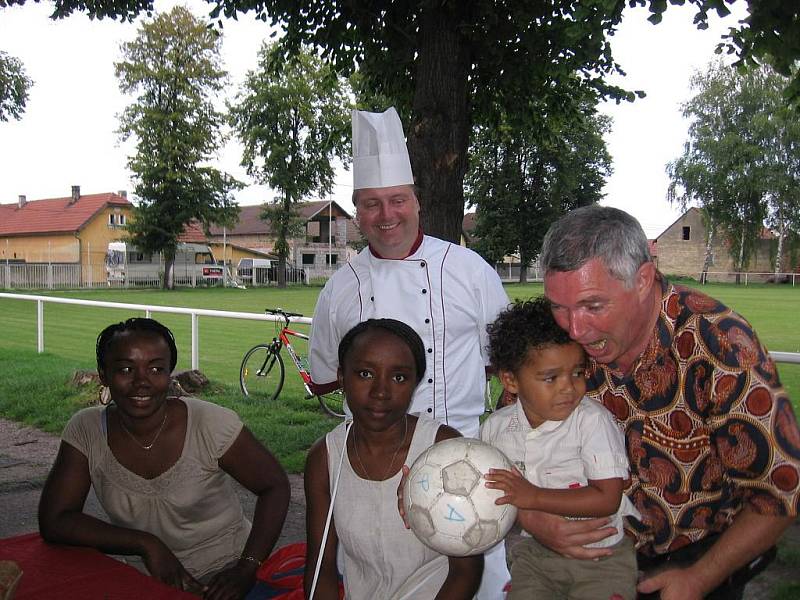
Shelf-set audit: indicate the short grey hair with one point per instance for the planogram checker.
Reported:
(596, 231)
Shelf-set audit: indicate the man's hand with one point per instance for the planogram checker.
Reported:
(518, 491)
(673, 584)
(567, 537)
(400, 508)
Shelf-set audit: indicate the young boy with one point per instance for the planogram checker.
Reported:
(569, 453)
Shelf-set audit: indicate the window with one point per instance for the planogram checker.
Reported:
(686, 232)
(308, 259)
(330, 259)
(116, 220)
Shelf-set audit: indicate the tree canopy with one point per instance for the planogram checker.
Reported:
(450, 65)
(523, 177)
(293, 120)
(14, 86)
(741, 163)
(173, 68)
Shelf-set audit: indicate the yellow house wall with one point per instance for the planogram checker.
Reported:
(232, 254)
(59, 248)
(87, 247)
(260, 241)
(94, 239)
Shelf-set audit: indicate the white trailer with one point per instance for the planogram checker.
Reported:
(126, 265)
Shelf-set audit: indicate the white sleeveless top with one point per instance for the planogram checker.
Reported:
(379, 557)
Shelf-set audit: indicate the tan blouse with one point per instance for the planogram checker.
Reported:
(192, 507)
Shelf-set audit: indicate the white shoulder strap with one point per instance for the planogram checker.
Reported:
(348, 425)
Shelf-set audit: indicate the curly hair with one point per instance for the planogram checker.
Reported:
(525, 325)
(396, 328)
(138, 324)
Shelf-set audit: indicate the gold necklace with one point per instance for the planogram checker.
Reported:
(391, 462)
(133, 437)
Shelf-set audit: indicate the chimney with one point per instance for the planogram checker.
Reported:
(76, 193)
(22, 200)
(123, 193)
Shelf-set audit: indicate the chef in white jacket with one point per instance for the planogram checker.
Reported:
(446, 292)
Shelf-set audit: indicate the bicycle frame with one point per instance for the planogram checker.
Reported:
(283, 336)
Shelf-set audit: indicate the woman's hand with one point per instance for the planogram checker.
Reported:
(165, 566)
(233, 583)
(400, 503)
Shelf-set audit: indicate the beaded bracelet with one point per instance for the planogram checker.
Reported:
(251, 559)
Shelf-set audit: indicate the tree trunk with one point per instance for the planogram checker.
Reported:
(779, 253)
(741, 258)
(281, 270)
(523, 268)
(169, 271)
(709, 251)
(439, 134)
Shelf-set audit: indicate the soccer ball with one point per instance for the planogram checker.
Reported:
(447, 504)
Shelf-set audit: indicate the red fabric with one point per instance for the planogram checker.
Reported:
(73, 573)
(283, 570)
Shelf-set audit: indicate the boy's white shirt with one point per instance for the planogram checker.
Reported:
(559, 454)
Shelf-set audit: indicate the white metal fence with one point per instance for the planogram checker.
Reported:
(65, 276)
(196, 313)
(509, 272)
(747, 278)
(147, 309)
(41, 276)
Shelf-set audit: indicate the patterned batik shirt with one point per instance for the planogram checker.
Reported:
(708, 425)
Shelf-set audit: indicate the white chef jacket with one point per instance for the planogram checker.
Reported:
(588, 444)
(447, 294)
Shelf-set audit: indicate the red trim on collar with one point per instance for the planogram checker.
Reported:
(414, 247)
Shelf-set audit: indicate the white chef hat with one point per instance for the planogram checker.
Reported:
(380, 155)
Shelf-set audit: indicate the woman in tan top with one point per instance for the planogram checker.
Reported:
(161, 467)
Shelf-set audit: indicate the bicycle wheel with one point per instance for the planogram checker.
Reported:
(333, 403)
(262, 372)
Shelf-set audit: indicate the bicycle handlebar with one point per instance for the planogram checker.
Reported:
(281, 312)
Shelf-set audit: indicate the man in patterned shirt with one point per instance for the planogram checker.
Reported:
(713, 444)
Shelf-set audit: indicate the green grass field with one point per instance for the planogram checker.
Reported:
(34, 388)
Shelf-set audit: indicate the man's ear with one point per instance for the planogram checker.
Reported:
(340, 377)
(509, 381)
(645, 278)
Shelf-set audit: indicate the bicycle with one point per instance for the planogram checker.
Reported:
(263, 372)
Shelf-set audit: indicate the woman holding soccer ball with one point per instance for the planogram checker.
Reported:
(359, 464)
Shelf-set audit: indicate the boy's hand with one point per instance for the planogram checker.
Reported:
(518, 491)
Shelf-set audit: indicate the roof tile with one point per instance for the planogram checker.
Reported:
(55, 215)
